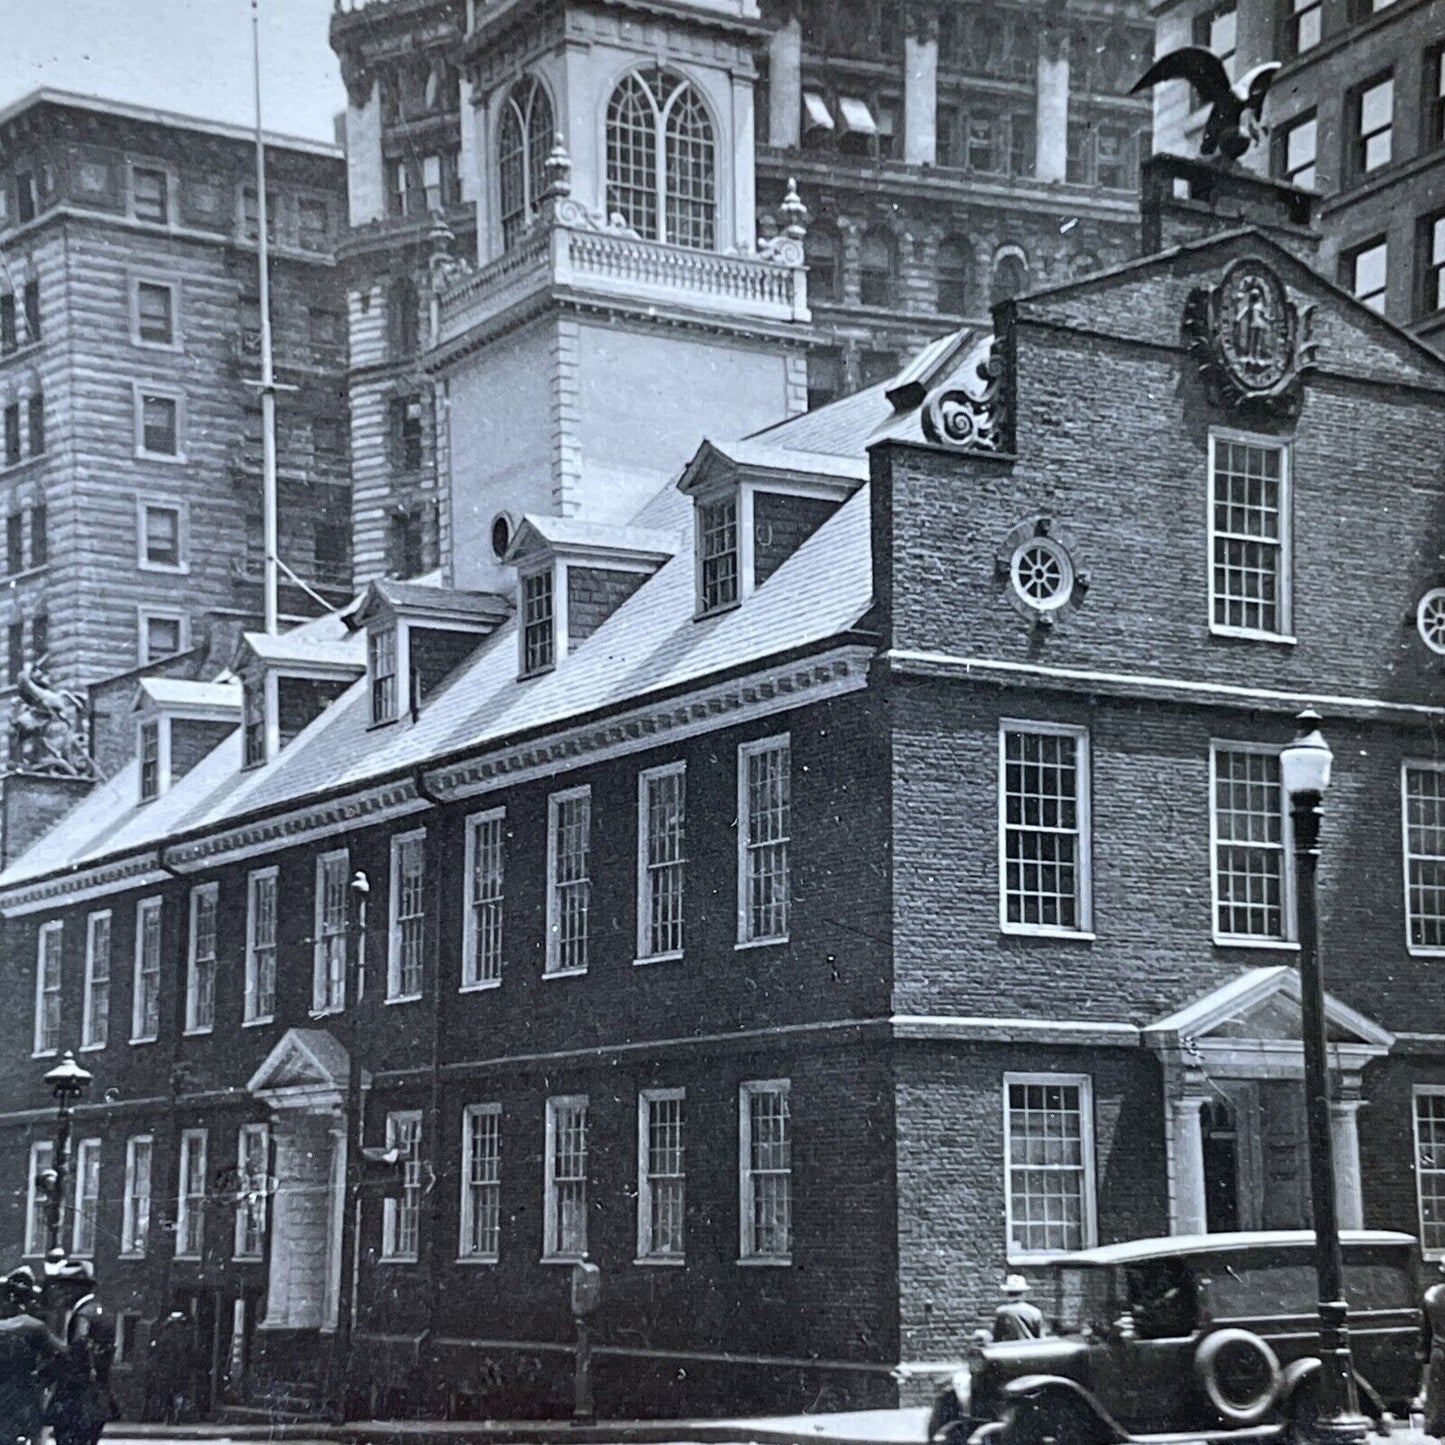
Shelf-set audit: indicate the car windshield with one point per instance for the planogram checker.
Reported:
(1253, 1288)
(1082, 1300)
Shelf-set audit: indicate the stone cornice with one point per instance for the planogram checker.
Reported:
(137, 871)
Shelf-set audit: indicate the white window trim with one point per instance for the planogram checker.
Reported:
(401, 679)
(174, 287)
(183, 540)
(1085, 1085)
(464, 1233)
(742, 494)
(1435, 1091)
(39, 1149)
(1408, 765)
(170, 393)
(391, 1206)
(239, 1227)
(319, 1006)
(746, 1091)
(393, 949)
(1286, 546)
(170, 614)
(474, 822)
(55, 926)
(143, 909)
(646, 1098)
(125, 1220)
(555, 1103)
(253, 973)
(82, 1148)
(745, 751)
(644, 913)
(162, 725)
(1289, 893)
(1084, 810)
(199, 891)
(550, 967)
(561, 622)
(190, 1139)
(87, 1009)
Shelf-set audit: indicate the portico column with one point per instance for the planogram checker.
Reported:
(1187, 1167)
(785, 80)
(920, 84)
(1051, 116)
(1349, 1191)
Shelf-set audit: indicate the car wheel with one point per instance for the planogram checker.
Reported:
(1240, 1374)
(1033, 1422)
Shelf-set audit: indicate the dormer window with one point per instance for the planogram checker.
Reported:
(718, 554)
(150, 761)
(381, 656)
(254, 725)
(539, 637)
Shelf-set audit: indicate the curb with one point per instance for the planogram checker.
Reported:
(544, 1432)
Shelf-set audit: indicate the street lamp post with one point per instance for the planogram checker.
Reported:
(67, 1081)
(1305, 774)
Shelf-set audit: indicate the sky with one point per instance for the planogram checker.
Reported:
(190, 56)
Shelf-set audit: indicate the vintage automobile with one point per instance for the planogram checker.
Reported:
(1213, 1334)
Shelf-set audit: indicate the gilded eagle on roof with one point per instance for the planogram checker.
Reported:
(1233, 123)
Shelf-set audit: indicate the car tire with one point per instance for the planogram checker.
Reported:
(1033, 1422)
(1238, 1408)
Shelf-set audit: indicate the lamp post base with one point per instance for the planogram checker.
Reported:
(1342, 1430)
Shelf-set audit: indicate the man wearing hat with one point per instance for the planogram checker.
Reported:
(1016, 1318)
(29, 1355)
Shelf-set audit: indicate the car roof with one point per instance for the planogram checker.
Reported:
(1174, 1245)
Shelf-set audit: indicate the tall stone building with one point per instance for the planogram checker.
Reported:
(949, 154)
(1358, 114)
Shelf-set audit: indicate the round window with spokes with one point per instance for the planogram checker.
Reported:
(1430, 619)
(1042, 574)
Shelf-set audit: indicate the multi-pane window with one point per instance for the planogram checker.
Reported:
(253, 1176)
(408, 420)
(160, 535)
(565, 1200)
(877, 268)
(1372, 107)
(661, 1174)
(12, 434)
(539, 648)
(955, 264)
(1044, 828)
(42, 1157)
(328, 971)
(1430, 1168)
(1432, 264)
(523, 145)
(155, 313)
(1217, 29)
(482, 944)
(1253, 876)
(145, 1018)
(159, 426)
(95, 1004)
(201, 960)
(87, 1198)
(1423, 788)
(408, 916)
(1048, 1139)
(718, 557)
(162, 635)
(260, 1000)
(150, 760)
(1364, 273)
(47, 987)
(661, 809)
(1435, 96)
(39, 536)
(1303, 25)
(31, 300)
(253, 723)
(381, 662)
(149, 194)
(481, 1236)
(9, 335)
(191, 1195)
(764, 834)
(569, 883)
(401, 1216)
(1297, 150)
(765, 1166)
(1249, 536)
(661, 168)
(35, 415)
(135, 1220)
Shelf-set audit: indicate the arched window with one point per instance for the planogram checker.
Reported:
(955, 260)
(821, 254)
(523, 144)
(661, 167)
(877, 266)
(1010, 277)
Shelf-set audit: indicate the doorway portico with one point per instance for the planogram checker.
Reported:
(1234, 1122)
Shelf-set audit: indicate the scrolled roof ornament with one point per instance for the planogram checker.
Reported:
(968, 420)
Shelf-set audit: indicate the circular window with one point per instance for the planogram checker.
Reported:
(1430, 619)
(501, 535)
(1042, 574)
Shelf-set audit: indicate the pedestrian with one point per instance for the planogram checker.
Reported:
(81, 1404)
(168, 1369)
(1016, 1318)
(1433, 1354)
(29, 1354)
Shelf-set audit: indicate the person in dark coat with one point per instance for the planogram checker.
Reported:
(1016, 1318)
(1433, 1351)
(82, 1405)
(29, 1354)
(168, 1369)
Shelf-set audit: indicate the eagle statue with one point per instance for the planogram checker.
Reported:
(1234, 109)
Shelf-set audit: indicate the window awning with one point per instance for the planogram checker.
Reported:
(815, 109)
(857, 118)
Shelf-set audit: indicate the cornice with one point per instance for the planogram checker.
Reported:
(140, 870)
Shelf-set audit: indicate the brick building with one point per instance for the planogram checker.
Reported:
(1358, 114)
(888, 812)
(129, 329)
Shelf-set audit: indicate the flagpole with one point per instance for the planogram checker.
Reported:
(268, 380)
